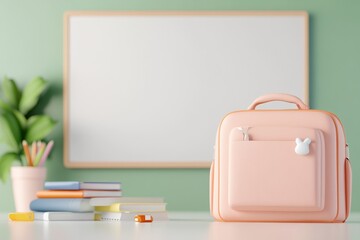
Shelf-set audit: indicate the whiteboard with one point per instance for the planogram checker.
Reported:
(148, 89)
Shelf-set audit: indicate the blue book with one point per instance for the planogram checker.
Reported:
(68, 185)
(61, 205)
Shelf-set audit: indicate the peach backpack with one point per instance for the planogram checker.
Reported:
(280, 165)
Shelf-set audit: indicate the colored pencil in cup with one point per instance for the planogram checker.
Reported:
(33, 150)
(46, 153)
(39, 154)
(27, 153)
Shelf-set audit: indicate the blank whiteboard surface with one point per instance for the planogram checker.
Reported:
(152, 89)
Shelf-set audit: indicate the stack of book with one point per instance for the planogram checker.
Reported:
(126, 208)
(72, 200)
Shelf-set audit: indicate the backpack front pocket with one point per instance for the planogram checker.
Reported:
(284, 174)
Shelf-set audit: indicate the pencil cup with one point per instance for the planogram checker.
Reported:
(26, 182)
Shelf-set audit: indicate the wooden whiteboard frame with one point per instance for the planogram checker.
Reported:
(194, 164)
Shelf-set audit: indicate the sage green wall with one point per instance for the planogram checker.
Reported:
(31, 44)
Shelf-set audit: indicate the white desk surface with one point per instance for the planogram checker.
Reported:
(182, 225)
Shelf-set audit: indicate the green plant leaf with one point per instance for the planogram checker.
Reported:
(11, 92)
(39, 127)
(31, 94)
(4, 106)
(6, 161)
(21, 118)
(10, 131)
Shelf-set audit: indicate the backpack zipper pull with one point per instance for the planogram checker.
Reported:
(245, 133)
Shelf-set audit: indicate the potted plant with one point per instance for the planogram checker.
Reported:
(19, 122)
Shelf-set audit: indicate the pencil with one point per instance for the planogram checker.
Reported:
(39, 154)
(46, 153)
(33, 151)
(27, 153)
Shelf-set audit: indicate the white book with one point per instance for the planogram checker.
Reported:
(126, 216)
(64, 216)
(108, 201)
(132, 207)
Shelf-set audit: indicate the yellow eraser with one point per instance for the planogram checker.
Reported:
(21, 216)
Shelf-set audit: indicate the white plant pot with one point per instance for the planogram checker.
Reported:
(26, 182)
